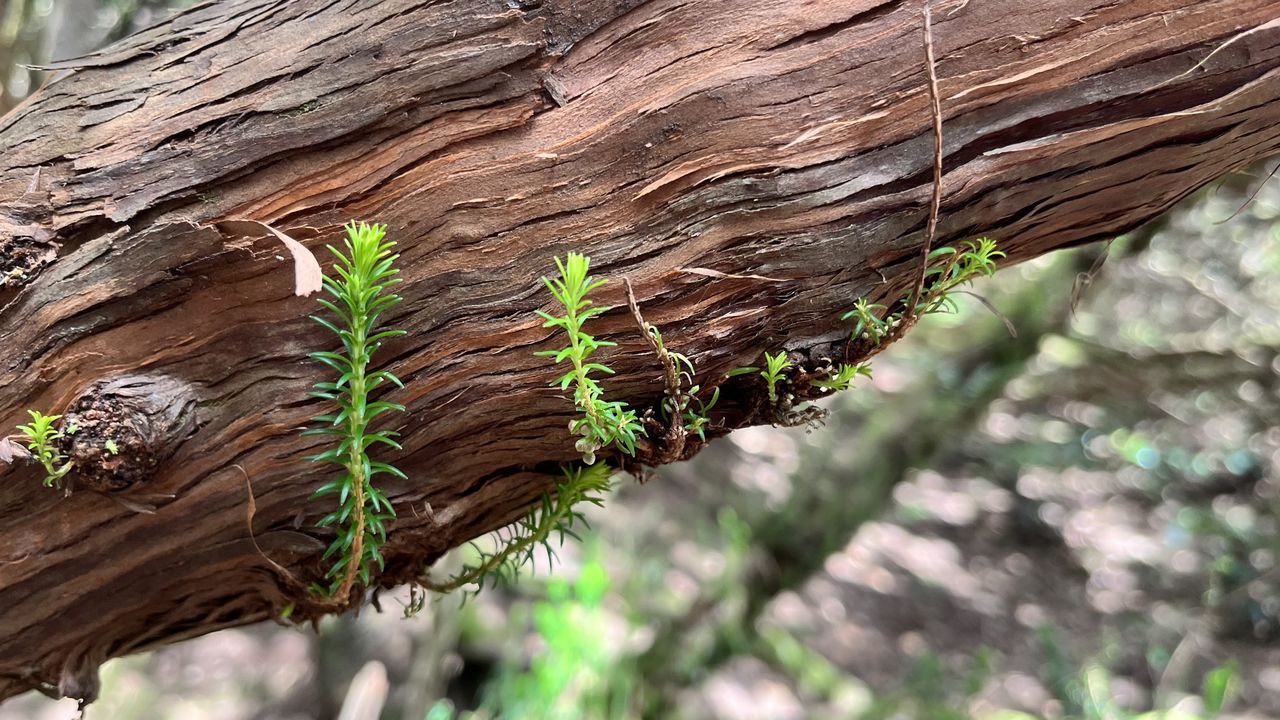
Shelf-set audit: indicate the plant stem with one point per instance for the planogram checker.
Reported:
(583, 382)
(540, 535)
(355, 463)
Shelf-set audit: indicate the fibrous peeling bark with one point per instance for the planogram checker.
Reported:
(752, 165)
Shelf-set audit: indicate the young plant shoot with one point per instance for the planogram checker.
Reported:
(774, 365)
(843, 377)
(360, 295)
(950, 268)
(603, 423)
(42, 437)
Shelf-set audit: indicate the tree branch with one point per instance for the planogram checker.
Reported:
(781, 141)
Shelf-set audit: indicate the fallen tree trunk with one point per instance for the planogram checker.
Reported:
(753, 167)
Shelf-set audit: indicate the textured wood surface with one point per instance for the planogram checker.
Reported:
(753, 166)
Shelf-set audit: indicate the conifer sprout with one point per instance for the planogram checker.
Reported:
(360, 295)
(603, 423)
(949, 269)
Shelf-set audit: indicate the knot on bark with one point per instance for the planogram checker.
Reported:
(121, 429)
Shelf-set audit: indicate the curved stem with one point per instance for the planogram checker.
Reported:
(474, 574)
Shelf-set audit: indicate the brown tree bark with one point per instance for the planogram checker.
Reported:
(753, 166)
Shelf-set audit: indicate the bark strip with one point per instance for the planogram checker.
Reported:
(748, 139)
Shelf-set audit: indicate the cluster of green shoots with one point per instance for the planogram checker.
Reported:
(41, 438)
(843, 377)
(774, 365)
(603, 423)
(360, 296)
(948, 269)
(695, 419)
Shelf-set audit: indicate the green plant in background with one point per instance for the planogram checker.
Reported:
(604, 423)
(932, 691)
(772, 373)
(949, 269)
(1220, 686)
(360, 296)
(580, 676)
(1096, 700)
(558, 516)
(41, 437)
(813, 674)
(580, 673)
(1085, 694)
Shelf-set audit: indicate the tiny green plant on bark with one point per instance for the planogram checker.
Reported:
(774, 365)
(696, 420)
(683, 411)
(843, 377)
(41, 438)
(603, 423)
(867, 321)
(948, 270)
(557, 516)
(944, 272)
(952, 268)
(677, 403)
(360, 295)
(682, 400)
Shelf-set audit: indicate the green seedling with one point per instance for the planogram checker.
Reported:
(360, 296)
(603, 423)
(41, 441)
(774, 365)
(843, 377)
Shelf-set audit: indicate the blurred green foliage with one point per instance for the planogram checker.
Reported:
(579, 671)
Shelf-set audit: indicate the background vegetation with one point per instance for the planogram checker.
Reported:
(1078, 522)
